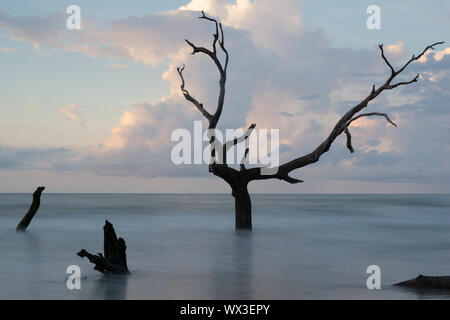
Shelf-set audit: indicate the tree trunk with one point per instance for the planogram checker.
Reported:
(24, 223)
(243, 208)
(115, 258)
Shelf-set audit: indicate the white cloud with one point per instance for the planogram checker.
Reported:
(268, 24)
(438, 55)
(396, 51)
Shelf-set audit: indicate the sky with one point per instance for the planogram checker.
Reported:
(92, 110)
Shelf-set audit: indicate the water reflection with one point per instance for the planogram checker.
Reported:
(31, 252)
(243, 259)
(425, 294)
(233, 268)
(313, 246)
(111, 287)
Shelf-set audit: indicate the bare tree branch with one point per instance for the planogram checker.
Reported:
(340, 127)
(190, 98)
(243, 159)
(214, 118)
(372, 114)
(237, 140)
(394, 73)
(222, 45)
(402, 83)
(289, 179)
(238, 180)
(208, 52)
(349, 139)
(414, 58)
(229, 144)
(216, 34)
(347, 131)
(385, 59)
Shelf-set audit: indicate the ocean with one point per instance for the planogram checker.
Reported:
(184, 246)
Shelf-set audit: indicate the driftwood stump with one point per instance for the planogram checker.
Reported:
(427, 282)
(114, 260)
(23, 224)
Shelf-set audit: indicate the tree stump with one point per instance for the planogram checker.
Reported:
(114, 260)
(24, 223)
(427, 282)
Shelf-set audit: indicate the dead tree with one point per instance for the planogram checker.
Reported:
(26, 220)
(427, 282)
(114, 260)
(239, 179)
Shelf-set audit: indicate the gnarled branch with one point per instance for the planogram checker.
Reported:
(240, 139)
(349, 139)
(347, 131)
(242, 166)
(414, 58)
(372, 114)
(385, 59)
(190, 98)
(341, 126)
(214, 118)
(387, 85)
(216, 34)
(229, 144)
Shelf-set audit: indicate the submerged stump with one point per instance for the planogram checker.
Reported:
(114, 260)
(26, 220)
(427, 282)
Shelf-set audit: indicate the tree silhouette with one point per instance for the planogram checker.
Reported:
(239, 179)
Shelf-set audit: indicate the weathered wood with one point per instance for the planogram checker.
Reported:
(427, 282)
(114, 259)
(26, 220)
(238, 180)
(243, 208)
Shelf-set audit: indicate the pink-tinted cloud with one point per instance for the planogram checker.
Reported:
(277, 68)
(72, 112)
(8, 50)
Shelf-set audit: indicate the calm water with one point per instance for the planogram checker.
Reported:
(185, 246)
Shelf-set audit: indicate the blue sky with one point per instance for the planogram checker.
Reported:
(64, 95)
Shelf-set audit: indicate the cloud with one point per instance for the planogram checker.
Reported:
(281, 75)
(395, 51)
(71, 112)
(149, 39)
(264, 86)
(9, 50)
(268, 25)
(286, 114)
(36, 30)
(438, 55)
(21, 158)
(117, 66)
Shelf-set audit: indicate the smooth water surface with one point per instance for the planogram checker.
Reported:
(185, 246)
